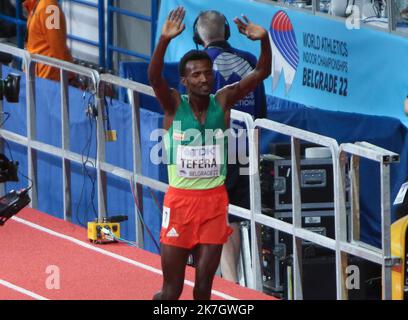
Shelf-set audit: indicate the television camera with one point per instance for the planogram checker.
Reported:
(10, 86)
(13, 201)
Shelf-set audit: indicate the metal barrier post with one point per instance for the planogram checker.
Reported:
(101, 30)
(137, 155)
(153, 29)
(19, 25)
(355, 197)
(391, 14)
(296, 218)
(384, 158)
(386, 231)
(100, 158)
(109, 36)
(340, 224)
(253, 274)
(246, 255)
(31, 132)
(65, 145)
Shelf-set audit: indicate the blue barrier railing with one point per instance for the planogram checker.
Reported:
(106, 50)
(18, 21)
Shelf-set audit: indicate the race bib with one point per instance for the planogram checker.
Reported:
(166, 217)
(198, 161)
(401, 194)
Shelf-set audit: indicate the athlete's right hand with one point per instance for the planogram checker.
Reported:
(173, 25)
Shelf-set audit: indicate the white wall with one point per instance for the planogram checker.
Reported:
(82, 21)
(129, 33)
(134, 34)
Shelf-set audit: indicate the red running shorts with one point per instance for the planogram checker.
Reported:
(192, 217)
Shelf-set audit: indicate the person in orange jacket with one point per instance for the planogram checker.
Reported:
(47, 35)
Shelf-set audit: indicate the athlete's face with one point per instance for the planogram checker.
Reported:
(198, 77)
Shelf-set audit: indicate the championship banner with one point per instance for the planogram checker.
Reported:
(323, 63)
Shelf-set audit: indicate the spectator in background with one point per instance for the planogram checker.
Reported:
(211, 30)
(47, 35)
(7, 30)
(404, 13)
(338, 7)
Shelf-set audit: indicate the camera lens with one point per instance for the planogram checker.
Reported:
(12, 87)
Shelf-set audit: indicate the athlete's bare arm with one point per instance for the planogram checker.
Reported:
(169, 98)
(229, 95)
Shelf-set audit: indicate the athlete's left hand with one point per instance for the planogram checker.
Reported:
(251, 30)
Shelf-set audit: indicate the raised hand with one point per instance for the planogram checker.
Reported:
(251, 30)
(173, 25)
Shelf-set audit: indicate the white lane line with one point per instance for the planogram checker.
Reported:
(22, 290)
(111, 254)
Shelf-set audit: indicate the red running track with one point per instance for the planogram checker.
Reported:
(35, 248)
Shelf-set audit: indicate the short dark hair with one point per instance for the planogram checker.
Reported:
(192, 55)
